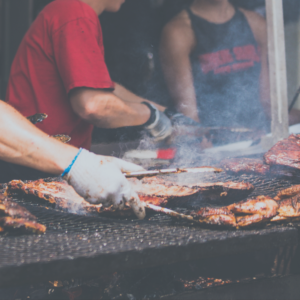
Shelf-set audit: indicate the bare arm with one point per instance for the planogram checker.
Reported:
(23, 143)
(105, 109)
(130, 97)
(259, 29)
(177, 42)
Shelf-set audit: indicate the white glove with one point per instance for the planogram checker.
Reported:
(99, 179)
(161, 126)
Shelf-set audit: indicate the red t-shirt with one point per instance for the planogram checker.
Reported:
(62, 50)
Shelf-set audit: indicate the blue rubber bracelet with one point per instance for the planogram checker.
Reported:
(67, 170)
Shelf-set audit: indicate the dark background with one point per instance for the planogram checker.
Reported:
(131, 39)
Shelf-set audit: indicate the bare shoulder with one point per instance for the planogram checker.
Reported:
(257, 24)
(179, 30)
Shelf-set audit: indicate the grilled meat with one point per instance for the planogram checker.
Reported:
(9, 223)
(63, 196)
(37, 118)
(288, 210)
(158, 187)
(12, 209)
(288, 193)
(285, 153)
(262, 205)
(245, 165)
(252, 211)
(14, 217)
(215, 216)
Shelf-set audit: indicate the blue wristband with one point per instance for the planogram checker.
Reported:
(67, 170)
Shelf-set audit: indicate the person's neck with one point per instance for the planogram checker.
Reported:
(96, 5)
(215, 11)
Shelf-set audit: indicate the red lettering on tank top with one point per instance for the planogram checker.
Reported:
(223, 62)
(212, 61)
(246, 53)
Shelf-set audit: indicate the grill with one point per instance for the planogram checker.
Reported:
(86, 246)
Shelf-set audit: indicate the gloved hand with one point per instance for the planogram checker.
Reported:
(99, 179)
(178, 118)
(159, 125)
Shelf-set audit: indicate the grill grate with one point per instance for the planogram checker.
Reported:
(70, 237)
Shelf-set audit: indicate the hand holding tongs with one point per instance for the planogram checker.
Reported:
(173, 171)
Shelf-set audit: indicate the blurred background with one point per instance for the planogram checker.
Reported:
(131, 39)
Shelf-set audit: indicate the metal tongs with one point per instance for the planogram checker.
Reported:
(167, 211)
(171, 213)
(173, 171)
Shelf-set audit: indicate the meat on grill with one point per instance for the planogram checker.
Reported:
(245, 165)
(215, 216)
(9, 223)
(288, 210)
(154, 186)
(12, 209)
(285, 152)
(252, 211)
(65, 197)
(15, 217)
(288, 193)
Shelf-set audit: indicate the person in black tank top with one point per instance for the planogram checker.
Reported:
(218, 68)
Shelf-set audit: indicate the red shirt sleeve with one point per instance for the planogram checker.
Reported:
(79, 55)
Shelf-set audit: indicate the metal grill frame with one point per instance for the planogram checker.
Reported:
(85, 247)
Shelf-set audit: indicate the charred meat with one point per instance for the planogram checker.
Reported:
(14, 217)
(245, 165)
(288, 210)
(215, 216)
(158, 187)
(9, 224)
(253, 211)
(64, 197)
(288, 193)
(285, 153)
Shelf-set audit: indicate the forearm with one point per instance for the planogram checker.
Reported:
(104, 109)
(23, 143)
(128, 96)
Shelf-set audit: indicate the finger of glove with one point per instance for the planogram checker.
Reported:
(126, 166)
(131, 197)
(137, 205)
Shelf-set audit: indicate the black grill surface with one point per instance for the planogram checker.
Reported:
(88, 246)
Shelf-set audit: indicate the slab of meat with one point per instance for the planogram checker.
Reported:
(253, 211)
(215, 216)
(25, 225)
(288, 193)
(285, 153)
(158, 187)
(14, 217)
(245, 165)
(288, 210)
(246, 213)
(63, 196)
(12, 209)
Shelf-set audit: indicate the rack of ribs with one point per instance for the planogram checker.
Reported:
(245, 165)
(285, 153)
(215, 216)
(151, 190)
(64, 197)
(158, 187)
(14, 217)
(289, 204)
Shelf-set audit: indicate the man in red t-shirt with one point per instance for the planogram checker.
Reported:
(60, 70)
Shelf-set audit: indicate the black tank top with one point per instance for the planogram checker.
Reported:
(226, 67)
